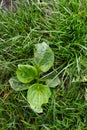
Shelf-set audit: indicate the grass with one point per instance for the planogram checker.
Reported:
(62, 24)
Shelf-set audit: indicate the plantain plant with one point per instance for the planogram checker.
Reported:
(29, 77)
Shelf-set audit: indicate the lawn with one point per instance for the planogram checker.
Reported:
(62, 24)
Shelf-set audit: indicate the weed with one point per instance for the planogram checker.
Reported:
(62, 24)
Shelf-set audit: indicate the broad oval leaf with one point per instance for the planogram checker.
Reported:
(43, 57)
(17, 85)
(51, 79)
(53, 82)
(37, 95)
(26, 73)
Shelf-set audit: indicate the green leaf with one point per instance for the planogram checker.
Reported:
(43, 57)
(16, 85)
(52, 80)
(26, 73)
(38, 95)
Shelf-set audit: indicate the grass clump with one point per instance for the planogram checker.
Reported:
(62, 24)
